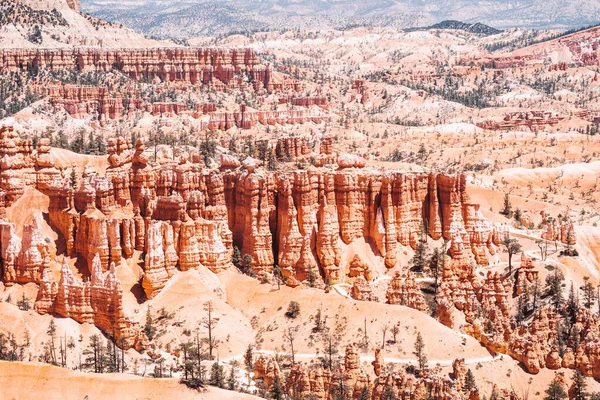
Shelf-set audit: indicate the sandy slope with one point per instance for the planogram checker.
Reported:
(266, 306)
(39, 381)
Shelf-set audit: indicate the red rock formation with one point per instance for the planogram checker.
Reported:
(183, 216)
(362, 291)
(558, 230)
(46, 172)
(526, 274)
(26, 259)
(193, 66)
(348, 381)
(358, 268)
(267, 369)
(378, 363)
(310, 101)
(17, 163)
(536, 344)
(326, 146)
(97, 301)
(161, 257)
(289, 148)
(403, 290)
(533, 120)
(351, 161)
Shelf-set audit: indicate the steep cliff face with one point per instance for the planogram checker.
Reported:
(178, 215)
(182, 215)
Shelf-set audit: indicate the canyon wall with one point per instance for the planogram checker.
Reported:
(189, 65)
(181, 215)
(106, 104)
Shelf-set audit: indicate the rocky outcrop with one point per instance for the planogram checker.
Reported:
(349, 380)
(527, 274)
(310, 101)
(405, 291)
(560, 230)
(362, 291)
(267, 369)
(536, 344)
(359, 268)
(26, 259)
(290, 148)
(190, 65)
(17, 163)
(378, 363)
(98, 301)
(121, 103)
(267, 215)
(533, 120)
(351, 161)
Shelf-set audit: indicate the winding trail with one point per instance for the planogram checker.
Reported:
(369, 358)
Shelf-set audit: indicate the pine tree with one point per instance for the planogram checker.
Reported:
(572, 305)
(588, 293)
(470, 383)
(231, 382)
(249, 357)
(420, 352)
(507, 210)
(236, 257)
(419, 260)
(149, 328)
(389, 394)
(277, 389)
(555, 391)
(512, 248)
(554, 285)
(434, 266)
(216, 375)
(365, 394)
(575, 338)
(523, 304)
(579, 387)
(51, 331)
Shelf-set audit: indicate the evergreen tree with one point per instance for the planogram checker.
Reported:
(217, 377)
(365, 394)
(271, 162)
(588, 293)
(512, 248)
(523, 304)
(51, 331)
(149, 328)
(555, 391)
(231, 382)
(311, 278)
(389, 394)
(419, 260)
(554, 288)
(507, 210)
(434, 266)
(420, 352)
(470, 383)
(277, 389)
(249, 358)
(246, 263)
(236, 257)
(24, 304)
(579, 387)
(572, 305)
